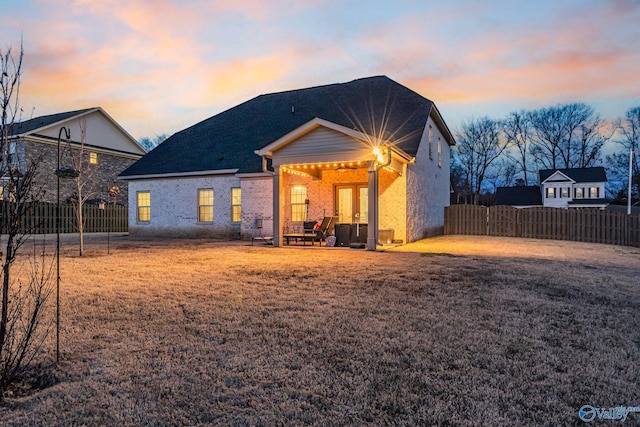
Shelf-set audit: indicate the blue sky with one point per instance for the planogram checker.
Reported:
(159, 66)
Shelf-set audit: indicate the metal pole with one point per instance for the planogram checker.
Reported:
(108, 225)
(630, 175)
(68, 135)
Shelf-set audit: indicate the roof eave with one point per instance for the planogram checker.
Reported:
(442, 125)
(179, 174)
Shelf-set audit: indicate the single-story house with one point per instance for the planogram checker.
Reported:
(108, 149)
(370, 151)
(559, 188)
(523, 196)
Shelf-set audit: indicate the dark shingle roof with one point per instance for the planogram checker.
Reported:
(228, 140)
(519, 196)
(39, 122)
(595, 174)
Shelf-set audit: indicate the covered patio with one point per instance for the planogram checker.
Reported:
(323, 169)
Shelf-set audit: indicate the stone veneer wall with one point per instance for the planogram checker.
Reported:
(100, 177)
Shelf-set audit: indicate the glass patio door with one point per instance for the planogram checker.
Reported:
(352, 203)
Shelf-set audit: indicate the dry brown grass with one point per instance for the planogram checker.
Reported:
(500, 332)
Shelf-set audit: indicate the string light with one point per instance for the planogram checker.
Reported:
(302, 168)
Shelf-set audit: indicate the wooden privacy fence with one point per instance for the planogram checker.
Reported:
(41, 218)
(581, 225)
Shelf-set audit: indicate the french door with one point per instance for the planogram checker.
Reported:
(351, 203)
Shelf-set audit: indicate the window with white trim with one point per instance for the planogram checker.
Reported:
(13, 147)
(551, 193)
(578, 193)
(236, 204)
(93, 158)
(594, 192)
(299, 203)
(205, 205)
(430, 142)
(143, 199)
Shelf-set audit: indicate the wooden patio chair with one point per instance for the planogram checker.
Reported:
(326, 228)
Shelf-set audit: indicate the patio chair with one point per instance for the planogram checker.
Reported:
(308, 234)
(326, 228)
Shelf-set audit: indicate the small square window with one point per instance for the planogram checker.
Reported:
(578, 193)
(551, 193)
(564, 192)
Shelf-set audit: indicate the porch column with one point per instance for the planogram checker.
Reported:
(372, 218)
(277, 206)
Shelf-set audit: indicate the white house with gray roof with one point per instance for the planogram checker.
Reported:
(559, 188)
(369, 152)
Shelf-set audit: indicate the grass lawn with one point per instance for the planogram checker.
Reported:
(453, 330)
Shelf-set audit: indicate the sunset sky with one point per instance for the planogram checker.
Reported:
(159, 66)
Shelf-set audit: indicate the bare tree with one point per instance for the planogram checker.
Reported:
(517, 130)
(22, 326)
(84, 181)
(591, 136)
(151, 143)
(478, 148)
(629, 141)
(567, 136)
(502, 173)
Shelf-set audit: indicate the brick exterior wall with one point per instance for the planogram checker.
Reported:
(257, 203)
(99, 177)
(427, 188)
(321, 194)
(393, 203)
(174, 207)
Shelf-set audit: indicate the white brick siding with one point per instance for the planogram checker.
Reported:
(257, 203)
(174, 207)
(427, 188)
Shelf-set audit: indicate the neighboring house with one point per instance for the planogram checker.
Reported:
(519, 197)
(109, 149)
(369, 151)
(573, 188)
(559, 188)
